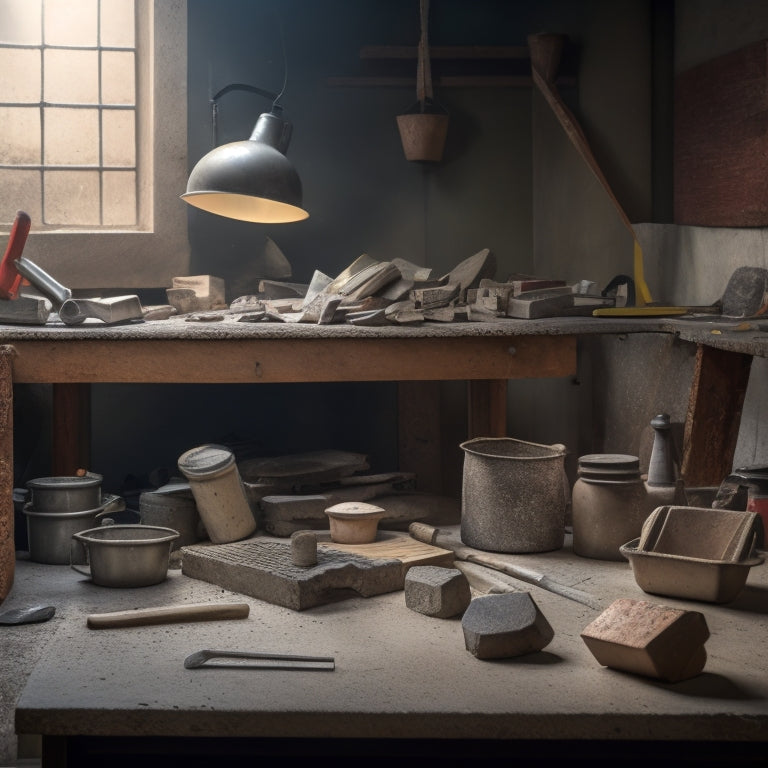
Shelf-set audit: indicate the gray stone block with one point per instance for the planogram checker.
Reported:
(436, 591)
(502, 626)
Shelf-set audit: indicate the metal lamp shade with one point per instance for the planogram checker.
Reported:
(247, 180)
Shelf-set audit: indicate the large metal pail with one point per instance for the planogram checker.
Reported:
(513, 495)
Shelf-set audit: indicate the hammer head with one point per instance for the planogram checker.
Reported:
(10, 279)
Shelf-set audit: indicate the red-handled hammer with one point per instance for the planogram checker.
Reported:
(10, 277)
(14, 267)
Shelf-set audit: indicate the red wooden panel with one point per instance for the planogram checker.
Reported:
(721, 141)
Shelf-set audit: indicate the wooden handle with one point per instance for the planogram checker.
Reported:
(168, 615)
(424, 533)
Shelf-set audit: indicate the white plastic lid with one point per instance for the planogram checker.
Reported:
(205, 459)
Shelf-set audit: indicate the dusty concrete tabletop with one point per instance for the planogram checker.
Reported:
(397, 672)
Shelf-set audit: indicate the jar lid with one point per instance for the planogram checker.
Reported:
(609, 466)
(65, 482)
(205, 459)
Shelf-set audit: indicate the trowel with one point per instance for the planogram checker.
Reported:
(29, 615)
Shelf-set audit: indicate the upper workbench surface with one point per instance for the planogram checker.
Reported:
(748, 336)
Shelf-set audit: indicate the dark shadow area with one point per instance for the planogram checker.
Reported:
(241, 752)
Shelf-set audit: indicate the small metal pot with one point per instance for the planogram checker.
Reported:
(65, 494)
(124, 555)
(49, 533)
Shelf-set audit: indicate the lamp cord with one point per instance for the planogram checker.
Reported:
(285, 59)
(251, 88)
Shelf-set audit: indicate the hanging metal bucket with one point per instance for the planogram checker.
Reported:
(514, 495)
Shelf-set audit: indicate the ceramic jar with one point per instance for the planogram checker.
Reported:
(610, 501)
(220, 497)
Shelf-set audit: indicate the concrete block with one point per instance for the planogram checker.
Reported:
(209, 291)
(503, 626)
(435, 591)
(648, 639)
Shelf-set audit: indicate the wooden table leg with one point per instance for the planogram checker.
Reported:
(714, 414)
(7, 545)
(71, 424)
(487, 408)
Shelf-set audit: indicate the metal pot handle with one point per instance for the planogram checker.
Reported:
(75, 542)
(111, 503)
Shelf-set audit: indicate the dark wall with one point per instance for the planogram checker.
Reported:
(361, 193)
(365, 197)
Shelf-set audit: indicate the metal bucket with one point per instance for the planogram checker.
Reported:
(64, 493)
(49, 533)
(514, 495)
(125, 555)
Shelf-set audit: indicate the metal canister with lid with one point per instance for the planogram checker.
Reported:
(221, 500)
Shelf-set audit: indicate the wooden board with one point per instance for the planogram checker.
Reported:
(721, 141)
(406, 549)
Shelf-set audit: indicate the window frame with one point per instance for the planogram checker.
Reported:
(157, 250)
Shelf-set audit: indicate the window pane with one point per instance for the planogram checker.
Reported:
(20, 76)
(117, 78)
(70, 22)
(20, 129)
(117, 24)
(71, 136)
(20, 190)
(72, 197)
(118, 135)
(71, 77)
(19, 22)
(120, 198)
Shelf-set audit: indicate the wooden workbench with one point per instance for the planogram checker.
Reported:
(485, 354)
(134, 685)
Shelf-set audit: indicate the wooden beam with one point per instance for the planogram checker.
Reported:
(714, 414)
(487, 408)
(71, 437)
(7, 545)
(420, 434)
(240, 361)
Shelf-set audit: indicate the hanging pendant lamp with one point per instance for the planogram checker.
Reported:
(249, 180)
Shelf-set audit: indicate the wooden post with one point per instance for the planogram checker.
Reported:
(487, 408)
(71, 424)
(419, 433)
(714, 414)
(7, 545)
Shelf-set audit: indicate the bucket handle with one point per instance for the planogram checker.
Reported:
(79, 544)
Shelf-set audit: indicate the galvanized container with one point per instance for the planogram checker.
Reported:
(514, 495)
(63, 493)
(49, 533)
(125, 555)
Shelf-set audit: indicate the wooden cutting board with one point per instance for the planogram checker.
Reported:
(721, 141)
(262, 567)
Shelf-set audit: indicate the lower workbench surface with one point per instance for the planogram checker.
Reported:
(400, 677)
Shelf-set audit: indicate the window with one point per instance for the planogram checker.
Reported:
(93, 115)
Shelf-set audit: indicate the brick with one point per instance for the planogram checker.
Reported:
(648, 639)
(436, 591)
